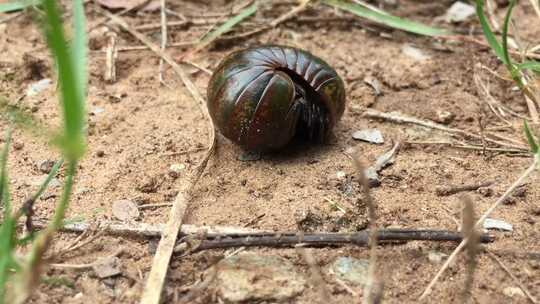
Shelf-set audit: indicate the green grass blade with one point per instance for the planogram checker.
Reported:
(79, 46)
(4, 195)
(507, 60)
(488, 33)
(387, 19)
(29, 275)
(16, 5)
(243, 14)
(25, 121)
(71, 92)
(73, 220)
(530, 138)
(8, 225)
(60, 211)
(47, 180)
(529, 65)
(7, 245)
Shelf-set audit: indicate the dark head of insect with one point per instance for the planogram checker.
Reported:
(261, 98)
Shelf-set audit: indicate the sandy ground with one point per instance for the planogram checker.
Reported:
(139, 128)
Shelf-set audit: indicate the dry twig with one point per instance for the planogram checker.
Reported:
(492, 103)
(469, 232)
(135, 5)
(148, 230)
(76, 244)
(111, 55)
(165, 248)
(151, 206)
(536, 7)
(480, 221)
(450, 190)
(291, 239)
(400, 118)
(368, 289)
(463, 146)
(514, 278)
(163, 38)
(85, 266)
(316, 274)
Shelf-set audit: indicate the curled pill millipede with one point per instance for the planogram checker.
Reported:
(262, 97)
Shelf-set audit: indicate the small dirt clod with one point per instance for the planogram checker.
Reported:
(46, 166)
(125, 210)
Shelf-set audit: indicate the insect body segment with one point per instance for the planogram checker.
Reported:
(260, 98)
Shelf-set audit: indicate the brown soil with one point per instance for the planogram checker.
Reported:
(132, 144)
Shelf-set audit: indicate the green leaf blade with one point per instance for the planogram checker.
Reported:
(505, 54)
(529, 65)
(488, 33)
(16, 5)
(227, 25)
(71, 92)
(530, 138)
(387, 19)
(79, 46)
(8, 224)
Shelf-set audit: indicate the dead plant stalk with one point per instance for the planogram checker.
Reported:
(160, 264)
(368, 297)
(478, 224)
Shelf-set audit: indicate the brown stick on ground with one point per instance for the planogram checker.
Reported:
(316, 276)
(160, 264)
(470, 232)
(401, 118)
(459, 145)
(291, 239)
(147, 230)
(450, 190)
(111, 55)
(163, 38)
(369, 296)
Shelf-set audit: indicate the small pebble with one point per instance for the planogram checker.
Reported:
(350, 151)
(175, 170)
(18, 145)
(520, 192)
(100, 153)
(354, 271)
(444, 117)
(36, 87)
(125, 210)
(485, 191)
(512, 292)
(436, 257)
(149, 184)
(46, 166)
(107, 267)
(414, 53)
(255, 278)
(373, 136)
(459, 12)
(97, 110)
(490, 223)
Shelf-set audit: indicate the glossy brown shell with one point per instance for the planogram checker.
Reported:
(261, 97)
